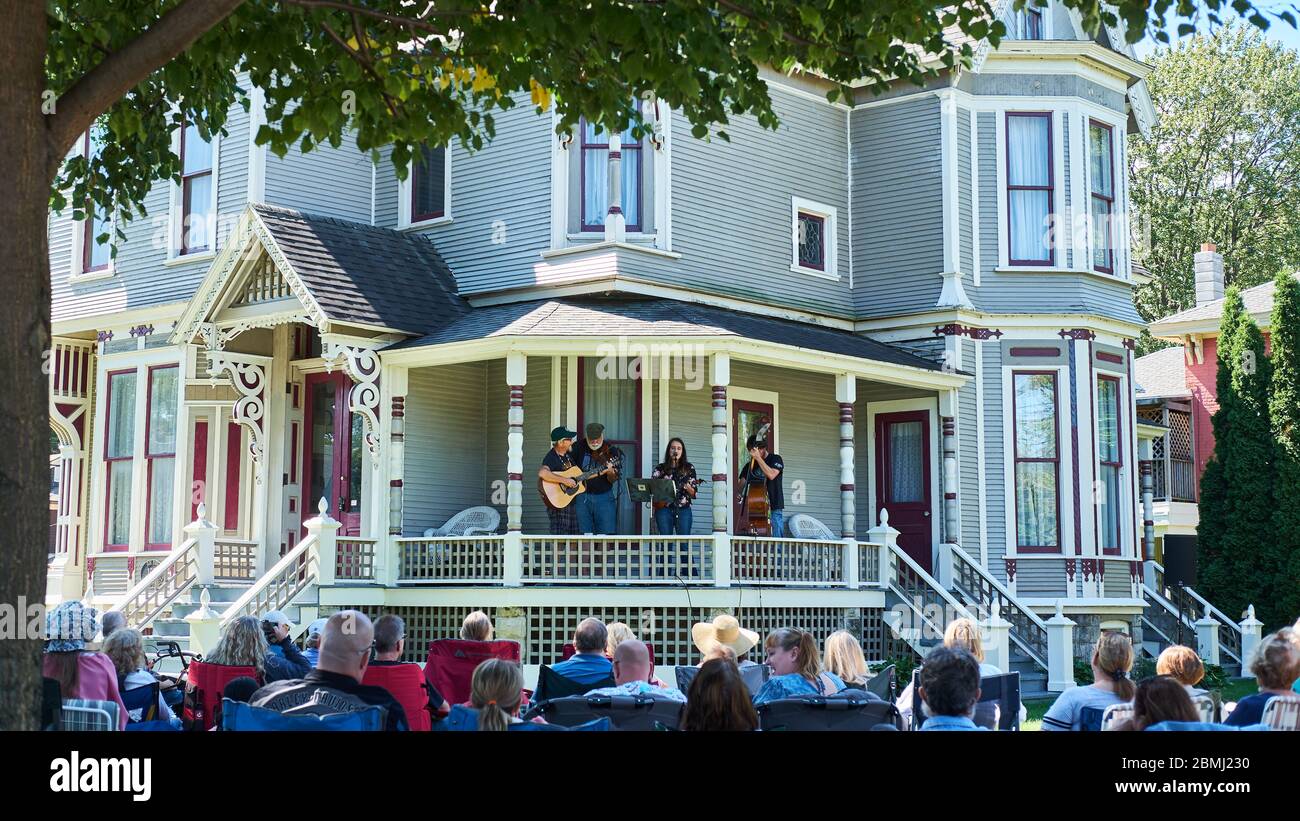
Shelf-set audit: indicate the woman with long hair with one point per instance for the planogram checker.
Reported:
(675, 517)
(125, 648)
(1157, 699)
(844, 658)
(243, 644)
(1112, 659)
(495, 693)
(796, 667)
(719, 700)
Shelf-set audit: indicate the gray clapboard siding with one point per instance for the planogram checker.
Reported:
(1073, 256)
(965, 217)
(1058, 293)
(969, 490)
(141, 279)
(500, 203)
(1041, 85)
(334, 182)
(994, 452)
(898, 207)
(988, 194)
(445, 463)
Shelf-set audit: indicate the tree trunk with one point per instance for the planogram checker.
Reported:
(24, 346)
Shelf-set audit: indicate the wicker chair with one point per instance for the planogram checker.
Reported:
(469, 522)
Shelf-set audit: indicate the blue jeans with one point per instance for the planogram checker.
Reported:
(674, 520)
(778, 524)
(597, 512)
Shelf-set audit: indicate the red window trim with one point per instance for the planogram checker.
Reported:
(1109, 268)
(1118, 549)
(185, 197)
(88, 225)
(799, 215)
(150, 457)
(1050, 188)
(415, 188)
(108, 473)
(583, 147)
(631, 447)
(1056, 461)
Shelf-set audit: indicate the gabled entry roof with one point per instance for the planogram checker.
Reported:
(342, 272)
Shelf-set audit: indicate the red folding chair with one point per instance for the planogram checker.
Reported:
(451, 664)
(203, 701)
(569, 651)
(406, 684)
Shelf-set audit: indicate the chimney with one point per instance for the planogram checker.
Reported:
(1209, 274)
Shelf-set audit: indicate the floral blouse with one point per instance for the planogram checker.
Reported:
(684, 474)
(793, 684)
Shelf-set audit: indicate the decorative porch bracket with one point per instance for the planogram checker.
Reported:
(248, 376)
(362, 367)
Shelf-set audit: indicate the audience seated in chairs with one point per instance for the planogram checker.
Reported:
(476, 627)
(949, 690)
(632, 674)
(960, 634)
(726, 631)
(844, 658)
(111, 622)
(243, 644)
(80, 674)
(496, 691)
(719, 700)
(1276, 666)
(1157, 699)
(589, 665)
(125, 648)
(1080, 708)
(404, 680)
(311, 645)
(796, 667)
(335, 685)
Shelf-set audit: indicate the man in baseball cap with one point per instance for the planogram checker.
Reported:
(564, 521)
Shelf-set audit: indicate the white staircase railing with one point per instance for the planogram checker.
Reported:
(1229, 631)
(922, 594)
(1028, 631)
(295, 571)
(156, 591)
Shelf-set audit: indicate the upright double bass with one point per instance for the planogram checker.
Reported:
(755, 507)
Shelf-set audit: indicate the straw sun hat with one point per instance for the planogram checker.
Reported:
(724, 630)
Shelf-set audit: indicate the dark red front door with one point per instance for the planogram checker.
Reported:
(903, 479)
(332, 452)
(748, 418)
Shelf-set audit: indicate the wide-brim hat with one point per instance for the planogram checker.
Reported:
(724, 630)
(69, 626)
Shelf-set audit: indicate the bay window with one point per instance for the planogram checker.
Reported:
(594, 151)
(1036, 461)
(1110, 463)
(160, 455)
(1102, 199)
(119, 448)
(196, 191)
(1029, 188)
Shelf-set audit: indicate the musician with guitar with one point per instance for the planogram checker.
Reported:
(597, 507)
(675, 517)
(556, 472)
(760, 476)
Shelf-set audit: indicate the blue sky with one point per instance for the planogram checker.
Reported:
(1279, 30)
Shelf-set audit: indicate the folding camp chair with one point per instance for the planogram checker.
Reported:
(997, 709)
(451, 662)
(240, 717)
(845, 711)
(51, 704)
(203, 702)
(754, 676)
(89, 715)
(407, 684)
(551, 684)
(1282, 713)
(639, 712)
(884, 684)
(1115, 715)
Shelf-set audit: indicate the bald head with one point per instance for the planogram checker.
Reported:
(345, 644)
(631, 662)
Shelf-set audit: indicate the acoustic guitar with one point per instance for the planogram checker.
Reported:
(559, 496)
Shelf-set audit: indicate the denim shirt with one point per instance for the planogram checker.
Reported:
(585, 668)
(939, 723)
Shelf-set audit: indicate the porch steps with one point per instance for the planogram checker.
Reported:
(173, 627)
(1033, 679)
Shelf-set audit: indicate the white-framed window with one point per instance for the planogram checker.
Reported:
(1111, 493)
(1101, 195)
(194, 223)
(93, 236)
(813, 238)
(1030, 23)
(424, 197)
(1030, 188)
(1036, 463)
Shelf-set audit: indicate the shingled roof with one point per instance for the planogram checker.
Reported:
(366, 275)
(613, 317)
(1161, 374)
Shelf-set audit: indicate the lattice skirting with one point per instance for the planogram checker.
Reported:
(668, 628)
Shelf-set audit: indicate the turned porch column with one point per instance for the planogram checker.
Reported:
(615, 222)
(719, 378)
(516, 378)
(845, 396)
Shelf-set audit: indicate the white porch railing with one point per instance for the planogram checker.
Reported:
(278, 586)
(671, 560)
(787, 562)
(451, 560)
(354, 559)
(152, 594)
(1028, 631)
(234, 560)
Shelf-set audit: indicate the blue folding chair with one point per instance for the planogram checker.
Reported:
(237, 716)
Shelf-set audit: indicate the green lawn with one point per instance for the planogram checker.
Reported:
(1234, 691)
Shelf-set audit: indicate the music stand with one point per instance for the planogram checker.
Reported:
(651, 490)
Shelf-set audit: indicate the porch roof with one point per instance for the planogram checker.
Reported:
(366, 275)
(665, 318)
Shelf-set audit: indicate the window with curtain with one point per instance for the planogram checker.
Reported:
(1102, 166)
(1037, 461)
(119, 446)
(196, 191)
(429, 184)
(595, 178)
(907, 458)
(1029, 188)
(612, 398)
(160, 455)
(1111, 461)
(1027, 24)
(95, 254)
